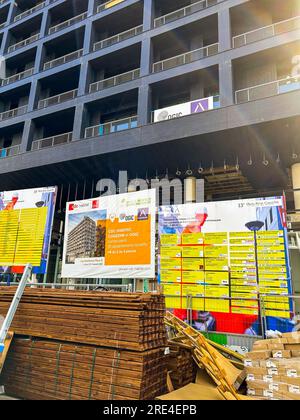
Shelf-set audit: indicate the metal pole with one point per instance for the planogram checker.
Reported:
(14, 306)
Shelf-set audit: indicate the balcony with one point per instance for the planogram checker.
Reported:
(63, 60)
(118, 38)
(266, 32)
(67, 23)
(52, 141)
(23, 43)
(185, 58)
(197, 6)
(17, 77)
(111, 127)
(13, 113)
(29, 11)
(114, 81)
(10, 151)
(266, 90)
(58, 99)
(107, 5)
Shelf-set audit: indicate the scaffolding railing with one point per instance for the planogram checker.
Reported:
(122, 36)
(67, 23)
(52, 141)
(114, 81)
(111, 127)
(185, 58)
(13, 113)
(57, 99)
(16, 77)
(10, 151)
(268, 89)
(29, 11)
(23, 43)
(266, 32)
(63, 60)
(196, 6)
(108, 4)
(2, 25)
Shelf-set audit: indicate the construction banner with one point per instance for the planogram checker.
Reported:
(111, 237)
(217, 259)
(26, 218)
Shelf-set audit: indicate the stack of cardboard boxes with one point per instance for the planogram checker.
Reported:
(273, 368)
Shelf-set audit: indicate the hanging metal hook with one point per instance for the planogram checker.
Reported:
(200, 169)
(265, 161)
(189, 172)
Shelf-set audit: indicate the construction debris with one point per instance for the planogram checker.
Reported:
(181, 366)
(225, 375)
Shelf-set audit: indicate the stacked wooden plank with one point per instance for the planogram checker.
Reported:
(85, 345)
(181, 366)
(45, 369)
(132, 321)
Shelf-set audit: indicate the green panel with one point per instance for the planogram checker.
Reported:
(218, 338)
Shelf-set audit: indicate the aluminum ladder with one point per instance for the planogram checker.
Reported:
(13, 307)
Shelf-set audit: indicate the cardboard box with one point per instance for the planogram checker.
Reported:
(295, 353)
(259, 355)
(286, 396)
(256, 371)
(260, 393)
(292, 347)
(293, 337)
(251, 363)
(289, 381)
(289, 372)
(281, 354)
(260, 345)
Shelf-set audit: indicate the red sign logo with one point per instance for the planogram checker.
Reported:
(95, 204)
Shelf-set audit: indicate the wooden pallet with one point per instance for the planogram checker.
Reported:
(225, 375)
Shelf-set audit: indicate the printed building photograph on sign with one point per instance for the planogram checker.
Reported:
(86, 236)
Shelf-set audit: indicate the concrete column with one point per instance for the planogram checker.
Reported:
(80, 122)
(148, 14)
(296, 184)
(190, 190)
(33, 95)
(6, 37)
(226, 86)
(225, 34)
(225, 69)
(39, 58)
(144, 105)
(146, 57)
(27, 136)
